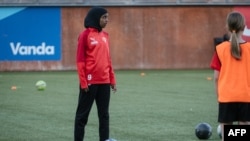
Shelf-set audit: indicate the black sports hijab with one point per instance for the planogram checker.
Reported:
(93, 17)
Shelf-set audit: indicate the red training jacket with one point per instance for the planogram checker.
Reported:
(93, 58)
(215, 62)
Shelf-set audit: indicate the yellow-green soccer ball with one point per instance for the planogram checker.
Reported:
(40, 85)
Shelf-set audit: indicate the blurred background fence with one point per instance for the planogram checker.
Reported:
(120, 2)
(144, 34)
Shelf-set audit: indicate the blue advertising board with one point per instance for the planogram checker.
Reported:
(30, 34)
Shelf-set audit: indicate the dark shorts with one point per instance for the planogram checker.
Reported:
(234, 111)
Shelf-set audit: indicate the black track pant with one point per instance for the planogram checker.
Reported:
(100, 93)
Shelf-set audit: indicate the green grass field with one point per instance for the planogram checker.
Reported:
(163, 105)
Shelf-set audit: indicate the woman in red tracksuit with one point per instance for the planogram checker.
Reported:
(95, 72)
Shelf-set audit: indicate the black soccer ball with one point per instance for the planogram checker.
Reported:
(203, 131)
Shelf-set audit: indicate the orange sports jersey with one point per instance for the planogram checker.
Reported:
(234, 78)
(93, 58)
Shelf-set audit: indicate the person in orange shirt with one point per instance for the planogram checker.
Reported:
(231, 64)
(95, 73)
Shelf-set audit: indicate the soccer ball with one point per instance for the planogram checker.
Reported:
(219, 131)
(40, 85)
(203, 131)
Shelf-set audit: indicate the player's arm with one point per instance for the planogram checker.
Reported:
(80, 60)
(111, 74)
(216, 65)
(216, 77)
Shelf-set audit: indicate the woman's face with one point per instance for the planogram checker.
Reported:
(104, 20)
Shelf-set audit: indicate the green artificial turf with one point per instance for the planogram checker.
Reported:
(162, 105)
